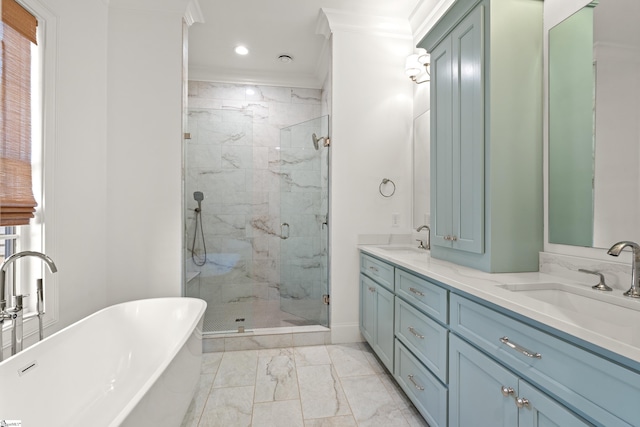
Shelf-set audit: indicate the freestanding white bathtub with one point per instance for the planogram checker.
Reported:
(132, 364)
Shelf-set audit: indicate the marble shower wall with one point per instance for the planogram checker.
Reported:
(235, 158)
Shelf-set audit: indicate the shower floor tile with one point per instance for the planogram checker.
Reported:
(301, 386)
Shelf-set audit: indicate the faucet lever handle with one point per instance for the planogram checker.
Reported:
(602, 286)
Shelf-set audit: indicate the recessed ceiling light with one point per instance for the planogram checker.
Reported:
(241, 50)
(285, 58)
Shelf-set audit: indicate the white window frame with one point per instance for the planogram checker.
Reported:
(36, 236)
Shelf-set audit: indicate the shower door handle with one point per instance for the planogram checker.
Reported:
(282, 235)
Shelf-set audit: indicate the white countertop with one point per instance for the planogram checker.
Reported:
(614, 326)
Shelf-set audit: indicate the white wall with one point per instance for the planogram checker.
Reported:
(371, 139)
(144, 152)
(75, 150)
(112, 110)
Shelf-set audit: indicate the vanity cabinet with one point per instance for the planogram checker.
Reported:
(397, 303)
(464, 361)
(598, 389)
(481, 389)
(486, 134)
(377, 308)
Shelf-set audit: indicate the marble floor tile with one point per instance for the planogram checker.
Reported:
(299, 386)
(228, 407)
(211, 362)
(237, 368)
(277, 414)
(276, 379)
(349, 360)
(373, 360)
(321, 393)
(371, 403)
(194, 412)
(316, 355)
(343, 421)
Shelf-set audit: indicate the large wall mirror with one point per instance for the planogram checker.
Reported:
(594, 125)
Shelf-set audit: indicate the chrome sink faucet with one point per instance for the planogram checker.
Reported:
(634, 291)
(428, 245)
(15, 313)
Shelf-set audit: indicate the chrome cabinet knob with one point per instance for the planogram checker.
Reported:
(506, 391)
(521, 402)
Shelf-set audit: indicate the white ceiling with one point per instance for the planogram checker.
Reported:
(270, 28)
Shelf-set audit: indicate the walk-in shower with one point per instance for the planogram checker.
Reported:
(256, 207)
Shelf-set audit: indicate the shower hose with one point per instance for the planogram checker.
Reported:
(196, 259)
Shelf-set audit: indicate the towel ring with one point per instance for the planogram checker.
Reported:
(385, 181)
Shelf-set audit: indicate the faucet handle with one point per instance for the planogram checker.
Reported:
(421, 244)
(602, 286)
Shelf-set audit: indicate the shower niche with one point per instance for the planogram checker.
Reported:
(256, 206)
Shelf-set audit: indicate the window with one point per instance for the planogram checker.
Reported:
(20, 145)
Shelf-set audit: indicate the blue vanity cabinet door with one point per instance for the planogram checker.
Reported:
(367, 304)
(376, 319)
(384, 316)
(475, 389)
(468, 133)
(542, 411)
(441, 145)
(457, 137)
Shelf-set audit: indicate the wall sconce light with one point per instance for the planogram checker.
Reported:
(417, 66)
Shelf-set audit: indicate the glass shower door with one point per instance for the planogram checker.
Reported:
(220, 203)
(304, 230)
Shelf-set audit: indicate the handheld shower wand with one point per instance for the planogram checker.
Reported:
(198, 196)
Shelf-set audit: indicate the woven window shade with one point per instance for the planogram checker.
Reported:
(17, 204)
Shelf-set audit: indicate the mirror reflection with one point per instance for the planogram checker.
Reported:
(594, 126)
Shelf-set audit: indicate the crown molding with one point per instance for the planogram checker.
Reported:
(193, 13)
(332, 20)
(261, 78)
(176, 6)
(425, 15)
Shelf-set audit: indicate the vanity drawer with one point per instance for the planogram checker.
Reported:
(583, 380)
(424, 295)
(379, 271)
(426, 338)
(425, 391)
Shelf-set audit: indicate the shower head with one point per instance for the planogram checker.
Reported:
(198, 196)
(316, 141)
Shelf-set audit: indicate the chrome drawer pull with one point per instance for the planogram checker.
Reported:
(516, 347)
(414, 383)
(413, 331)
(417, 292)
(372, 268)
(372, 289)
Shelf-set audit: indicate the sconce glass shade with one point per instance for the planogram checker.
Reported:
(423, 56)
(412, 67)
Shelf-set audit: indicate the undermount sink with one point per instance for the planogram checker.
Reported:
(601, 312)
(403, 249)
